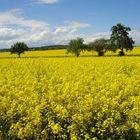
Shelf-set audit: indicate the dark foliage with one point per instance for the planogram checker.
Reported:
(18, 48)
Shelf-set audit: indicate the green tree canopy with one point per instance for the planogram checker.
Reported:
(99, 45)
(76, 46)
(120, 38)
(18, 48)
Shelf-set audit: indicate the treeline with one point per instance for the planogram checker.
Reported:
(51, 47)
(119, 40)
(4, 50)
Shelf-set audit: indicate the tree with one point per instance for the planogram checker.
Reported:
(76, 46)
(120, 39)
(18, 48)
(99, 45)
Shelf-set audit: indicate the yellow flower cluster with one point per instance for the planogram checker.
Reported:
(70, 98)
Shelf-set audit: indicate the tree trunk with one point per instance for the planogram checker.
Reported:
(18, 55)
(121, 53)
(77, 55)
(100, 53)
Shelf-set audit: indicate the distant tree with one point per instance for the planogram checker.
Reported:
(76, 46)
(18, 48)
(99, 45)
(120, 39)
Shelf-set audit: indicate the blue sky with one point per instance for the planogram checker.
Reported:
(45, 22)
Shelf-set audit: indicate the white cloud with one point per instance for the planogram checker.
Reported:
(76, 25)
(136, 35)
(71, 27)
(73, 31)
(14, 17)
(60, 30)
(8, 33)
(47, 1)
(93, 37)
(14, 27)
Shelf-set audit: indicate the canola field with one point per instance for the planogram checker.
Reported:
(70, 98)
(63, 53)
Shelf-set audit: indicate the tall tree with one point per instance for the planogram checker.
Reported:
(99, 45)
(18, 48)
(76, 46)
(120, 39)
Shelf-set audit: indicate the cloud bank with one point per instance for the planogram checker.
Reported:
(46, 1)
(14, 27)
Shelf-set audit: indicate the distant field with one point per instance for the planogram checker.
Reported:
(59, 53)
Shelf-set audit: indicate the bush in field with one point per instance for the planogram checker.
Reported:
(18, 48)
(120, 39)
